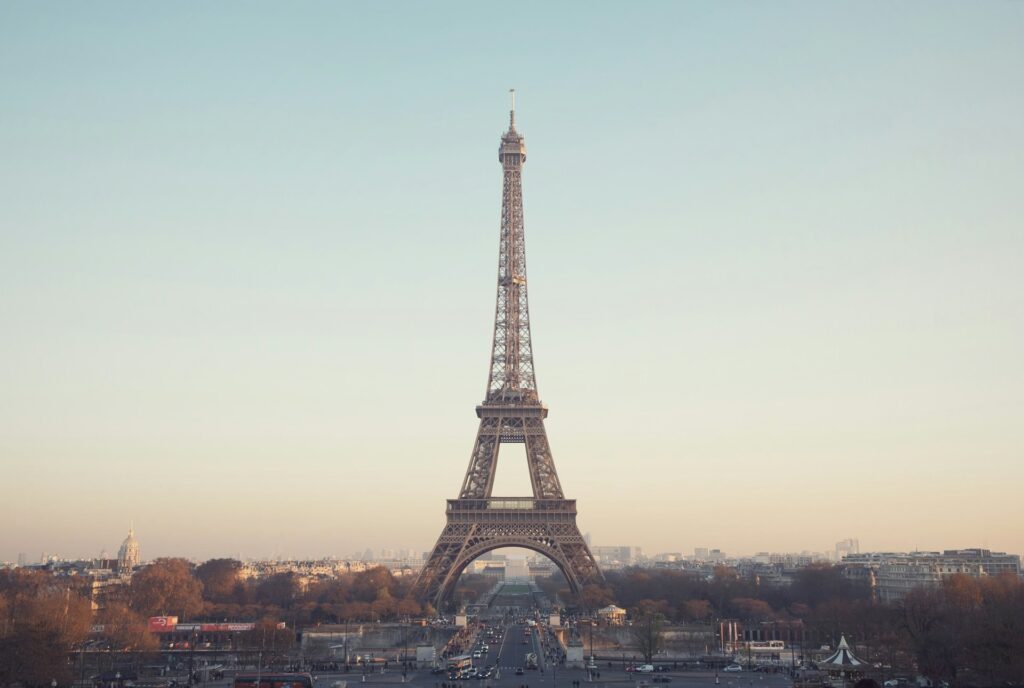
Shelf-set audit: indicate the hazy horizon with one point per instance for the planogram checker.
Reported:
(247, 271)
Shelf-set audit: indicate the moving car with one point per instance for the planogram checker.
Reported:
(733, 667)
(645, 668)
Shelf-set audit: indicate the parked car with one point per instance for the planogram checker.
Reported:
(733, 667)
(645, 668)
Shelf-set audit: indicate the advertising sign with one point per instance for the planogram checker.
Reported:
(162, 624)
(227, 627)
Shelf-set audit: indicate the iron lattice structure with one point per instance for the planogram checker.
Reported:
(511, 412)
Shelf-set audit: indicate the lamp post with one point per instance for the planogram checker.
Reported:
(259, 658)
(346, 645)
(405, 650)
(592, 663)
(191, 655)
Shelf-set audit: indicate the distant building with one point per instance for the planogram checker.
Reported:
(897, 573)
(616, 556)
(128, 556)
(517, 569)
(847, 547)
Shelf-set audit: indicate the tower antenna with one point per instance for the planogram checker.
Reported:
(512, 112)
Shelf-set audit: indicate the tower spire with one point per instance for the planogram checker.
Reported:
(512, 110)
(511, 376)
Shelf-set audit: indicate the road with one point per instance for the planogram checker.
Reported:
(507, 653)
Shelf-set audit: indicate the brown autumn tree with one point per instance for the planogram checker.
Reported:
(41, 621)
(695, 610)
(220, 579)
(749, 609)
(366, 584)
(970, 630)
(126, 630)
(932, 637)
(166, 587)
(595, 596)
(648, 607)
(268, 634)
(385, 607)
(279, 590)
(408, 607)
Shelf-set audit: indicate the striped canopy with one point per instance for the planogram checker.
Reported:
(843, 657)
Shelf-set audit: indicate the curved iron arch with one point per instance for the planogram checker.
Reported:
(474, 551)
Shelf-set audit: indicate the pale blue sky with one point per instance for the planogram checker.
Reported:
(247, 260)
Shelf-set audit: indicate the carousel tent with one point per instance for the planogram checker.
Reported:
(842, 659)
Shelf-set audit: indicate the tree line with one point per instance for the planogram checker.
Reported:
(43, 617)
(215, 589)
(968, 631)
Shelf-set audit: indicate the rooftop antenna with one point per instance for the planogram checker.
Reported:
(512, 112)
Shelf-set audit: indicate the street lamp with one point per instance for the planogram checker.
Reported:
(191, 656)
(405, 650)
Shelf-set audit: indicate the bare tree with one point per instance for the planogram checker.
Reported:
(648, 634)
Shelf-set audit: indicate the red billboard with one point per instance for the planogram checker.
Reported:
(162, 624)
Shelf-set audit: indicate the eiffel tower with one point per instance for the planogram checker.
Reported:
(511, 413)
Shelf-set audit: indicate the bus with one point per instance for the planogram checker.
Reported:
(273, 680)
(459, 663)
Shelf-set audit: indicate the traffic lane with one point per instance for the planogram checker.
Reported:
(516, 657)
(507, 656)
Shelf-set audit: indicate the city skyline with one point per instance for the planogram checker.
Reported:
(246, 276)
(383, 552)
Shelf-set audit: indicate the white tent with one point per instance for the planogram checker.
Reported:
(842, 659)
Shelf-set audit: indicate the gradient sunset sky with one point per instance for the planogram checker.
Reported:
(248, 257)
